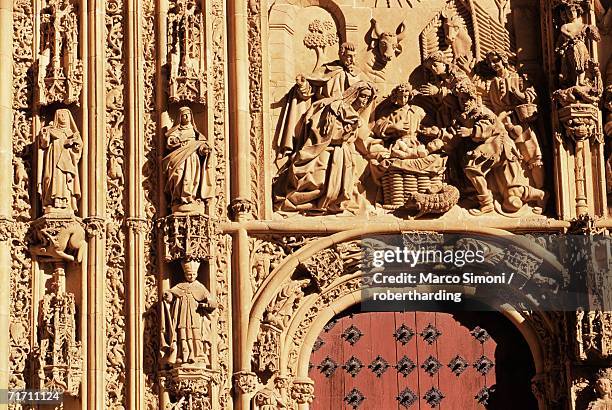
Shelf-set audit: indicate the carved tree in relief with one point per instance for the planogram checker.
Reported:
(60, 71)
(321, 34)
(186, 52)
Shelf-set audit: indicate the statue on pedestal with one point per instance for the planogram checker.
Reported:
(189, 176)
(186, 324)
(60, 148)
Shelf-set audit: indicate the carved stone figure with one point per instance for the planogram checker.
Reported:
(442, 77)
(285, 303)
(58, 238)
(387, 44)
(514, 99)
(187, 80)
(413, 174)
(457, 37)
(189, 175)
(320, 176)
(60, 146)
(571, 48)
(603, 388)
(60, 71)
(330, 80)
(186, 320)
(401, 125)
(494, 151)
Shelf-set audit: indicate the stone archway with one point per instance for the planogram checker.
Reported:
(322, 279)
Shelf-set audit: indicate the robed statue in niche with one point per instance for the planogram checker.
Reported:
(188, 165)
(60, 147)
(186, 320)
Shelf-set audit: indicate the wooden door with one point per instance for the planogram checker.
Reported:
(421, 360)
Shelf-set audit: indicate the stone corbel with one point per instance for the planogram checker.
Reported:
(95, 226)
(188, 237)
(242, 208)
(302, 391)
(58, 238)
(190, 388)
(245, 382)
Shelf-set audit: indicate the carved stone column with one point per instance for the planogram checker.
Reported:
(6, 180)
(136, 222)
(239, 107)
(94, 210)
(581, 128)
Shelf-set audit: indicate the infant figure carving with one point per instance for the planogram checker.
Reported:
(189, 176)
(60, 146)
(186, 320)
(320, 176)
(60, 72)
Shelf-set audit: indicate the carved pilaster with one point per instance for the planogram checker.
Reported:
(242, 208)
(581, 128)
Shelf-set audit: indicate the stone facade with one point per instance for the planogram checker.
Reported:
(211, 165)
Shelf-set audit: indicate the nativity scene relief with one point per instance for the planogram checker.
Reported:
(461, 128)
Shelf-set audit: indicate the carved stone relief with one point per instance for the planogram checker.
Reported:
(406, 152)
(186, 52)
(60, 70)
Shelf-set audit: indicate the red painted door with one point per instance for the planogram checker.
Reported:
(421, 360)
